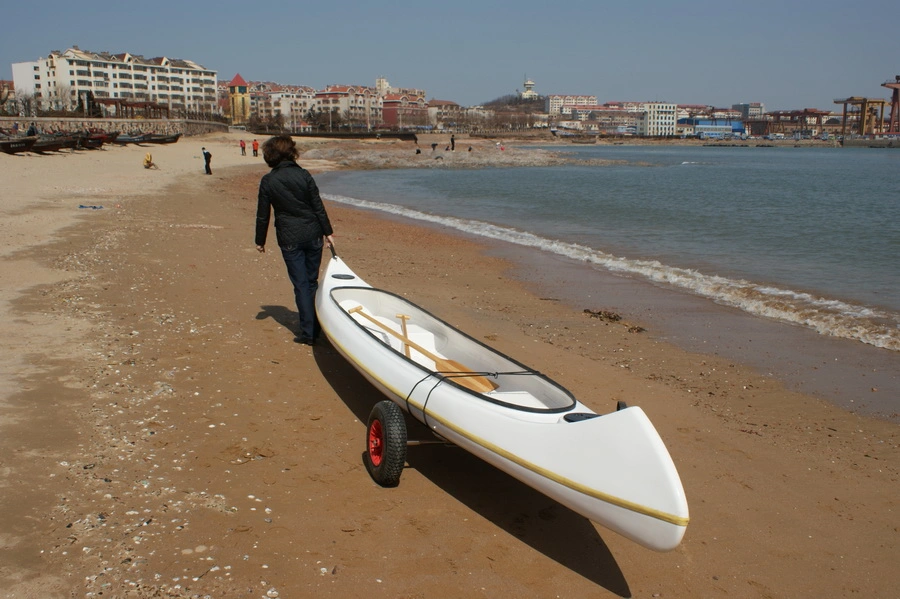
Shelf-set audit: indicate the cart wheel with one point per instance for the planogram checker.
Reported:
(385, 453)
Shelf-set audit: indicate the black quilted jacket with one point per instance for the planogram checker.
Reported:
(300, 217)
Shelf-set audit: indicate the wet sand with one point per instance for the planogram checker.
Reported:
(162, 435)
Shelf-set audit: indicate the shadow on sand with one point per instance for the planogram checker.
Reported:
(280, 314)
(535, 519)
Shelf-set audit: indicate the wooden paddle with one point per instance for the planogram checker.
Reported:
(477, 383)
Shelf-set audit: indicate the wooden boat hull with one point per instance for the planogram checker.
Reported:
(613, 469)
(54, 144)
(15, 145)
(152, 138)
(130, 139)
(90, 142)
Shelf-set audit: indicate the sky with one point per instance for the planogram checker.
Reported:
(790, 54)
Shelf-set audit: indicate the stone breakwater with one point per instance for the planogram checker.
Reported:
(381, 155)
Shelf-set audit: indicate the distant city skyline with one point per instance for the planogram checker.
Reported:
(787, 55)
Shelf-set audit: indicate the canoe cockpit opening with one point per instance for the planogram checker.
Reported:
(447, 353)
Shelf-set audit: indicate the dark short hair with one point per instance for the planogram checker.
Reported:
(278, 149)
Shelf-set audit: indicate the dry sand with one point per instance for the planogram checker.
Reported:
(162, 436)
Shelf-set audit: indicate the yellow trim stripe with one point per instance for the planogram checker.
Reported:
(605, 497)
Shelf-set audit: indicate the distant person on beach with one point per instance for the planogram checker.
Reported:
(207, 158)
(148, 161)
(32, 130)
(452, 143)
(243, 148)
(301, 226)
(255, 148)
(16, 128)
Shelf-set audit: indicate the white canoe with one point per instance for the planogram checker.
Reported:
(613, 469)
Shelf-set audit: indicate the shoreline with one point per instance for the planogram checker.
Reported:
(188, 447)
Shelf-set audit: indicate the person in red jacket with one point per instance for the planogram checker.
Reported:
(301, 226)
(255, 148)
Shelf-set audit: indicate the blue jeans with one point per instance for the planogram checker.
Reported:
(303, 261)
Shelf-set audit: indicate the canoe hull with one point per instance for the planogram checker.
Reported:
(613, 468)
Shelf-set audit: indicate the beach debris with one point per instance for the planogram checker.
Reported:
(195, 226)
(610, 316)
(89, 207)
(606, 315)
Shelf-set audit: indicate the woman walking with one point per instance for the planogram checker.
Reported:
(301, 226)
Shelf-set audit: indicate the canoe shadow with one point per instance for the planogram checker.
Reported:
(542, 523)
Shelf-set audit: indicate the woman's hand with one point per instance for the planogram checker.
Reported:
(261, 249)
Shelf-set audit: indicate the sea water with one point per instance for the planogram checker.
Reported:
(809, 236)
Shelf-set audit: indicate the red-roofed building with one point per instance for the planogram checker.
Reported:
(292, 102)
(404, 111)
(444, 114)
(239, 100)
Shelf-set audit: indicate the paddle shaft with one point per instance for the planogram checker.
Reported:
(476, 383)
(403, 318)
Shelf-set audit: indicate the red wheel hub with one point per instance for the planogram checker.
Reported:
(376, 443)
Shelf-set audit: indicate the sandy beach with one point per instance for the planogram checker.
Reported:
(161, 435)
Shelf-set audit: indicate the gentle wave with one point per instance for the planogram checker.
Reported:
(826, 316)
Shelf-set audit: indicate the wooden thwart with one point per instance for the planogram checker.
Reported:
(403, 318)
(475, 382)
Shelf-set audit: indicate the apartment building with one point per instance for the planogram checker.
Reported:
(657, 119)
(383, 88)
(293, 103)
(605, 119)
(556, 102)
(750, 110)
(444, 113)
(61, 79)
(356, 104)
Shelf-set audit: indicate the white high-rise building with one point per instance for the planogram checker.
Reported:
(658, 119)
(61, 79)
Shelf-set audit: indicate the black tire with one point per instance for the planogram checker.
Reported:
(385, 454)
